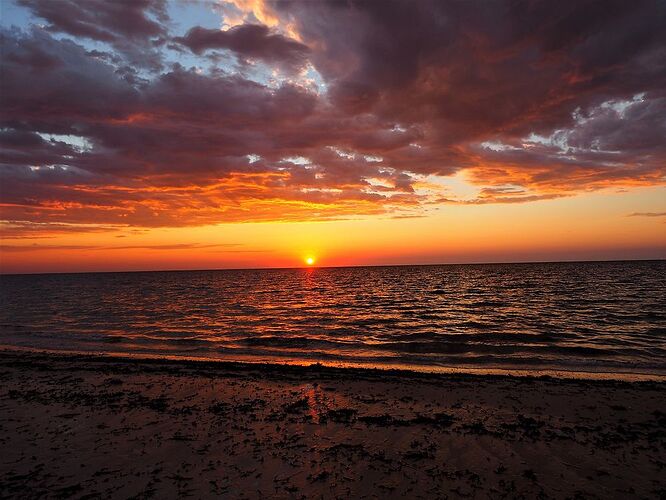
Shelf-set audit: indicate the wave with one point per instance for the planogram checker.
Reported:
(561, 314)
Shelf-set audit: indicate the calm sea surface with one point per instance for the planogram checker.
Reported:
(580, 317)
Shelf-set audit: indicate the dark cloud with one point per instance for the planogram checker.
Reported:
(494, 64)
(248, 41)
(102, 20)
(468, 72)
(71, 87)
(132, 27)
(533, 100)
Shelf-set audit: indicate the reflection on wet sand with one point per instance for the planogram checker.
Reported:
(71, 426)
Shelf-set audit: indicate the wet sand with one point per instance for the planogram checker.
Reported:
(86, 427)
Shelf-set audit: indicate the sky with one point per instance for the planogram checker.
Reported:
(155, 134)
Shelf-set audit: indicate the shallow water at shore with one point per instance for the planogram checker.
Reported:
(573, 317)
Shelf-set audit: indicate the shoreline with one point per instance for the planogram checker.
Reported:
(109, 427)
(277, 365)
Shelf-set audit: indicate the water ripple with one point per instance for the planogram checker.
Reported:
(583, 315)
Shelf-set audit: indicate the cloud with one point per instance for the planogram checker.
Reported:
(175, 151)
(532, 100)
(18, 229)
(468, 72)
(131, 27)
(490, 196)
(101, 20)
(248, 41)
(223, 247)
(647, 214)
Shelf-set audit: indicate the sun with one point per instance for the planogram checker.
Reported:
(310, 261)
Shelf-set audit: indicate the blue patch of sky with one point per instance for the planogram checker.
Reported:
(79, 143)
(185, 15)
(12, 14)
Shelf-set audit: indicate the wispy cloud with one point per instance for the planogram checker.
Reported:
(223, 247)
(647, 214)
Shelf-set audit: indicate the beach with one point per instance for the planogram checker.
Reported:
(93, 426)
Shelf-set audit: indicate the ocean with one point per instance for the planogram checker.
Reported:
(546, 318)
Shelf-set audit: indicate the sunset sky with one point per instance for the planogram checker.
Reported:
(150, 134)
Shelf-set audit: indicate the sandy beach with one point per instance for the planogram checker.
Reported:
(87, 427)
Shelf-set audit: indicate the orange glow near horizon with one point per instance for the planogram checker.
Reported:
(597, 226)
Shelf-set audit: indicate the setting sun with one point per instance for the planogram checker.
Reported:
(310, 261)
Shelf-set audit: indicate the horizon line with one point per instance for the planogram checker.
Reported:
(498, 263)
